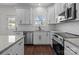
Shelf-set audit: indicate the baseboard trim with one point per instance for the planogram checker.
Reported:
(28, 44)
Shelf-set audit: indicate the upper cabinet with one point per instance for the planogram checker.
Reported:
(23, 16)
(39, 16)
(63, 12)
(77, 11)
(54, 11)
(51, 15)
(57, 10)
(62, 7)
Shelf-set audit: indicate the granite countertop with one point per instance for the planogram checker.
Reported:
(69, 37)
(8, 40)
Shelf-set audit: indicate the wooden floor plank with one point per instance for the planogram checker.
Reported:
(38, 50)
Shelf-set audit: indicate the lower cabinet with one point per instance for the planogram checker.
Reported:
(19, 48)
(8, 52)
(41, 37)
(70, 49)
(16, 49)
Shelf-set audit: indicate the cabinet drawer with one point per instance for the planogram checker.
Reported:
(19, 47)
(68, 52)
(7, 52)
(71, 47)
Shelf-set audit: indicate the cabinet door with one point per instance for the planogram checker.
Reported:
(36, 38)
(68, 52)
(77, 9)
(62, 7)
(56, 12)
(71, 48)
(27, 16)
(23, 16)
(45, 38)
(51, 15)
(59, 8)
(20, 15)
(19, 48)
(8, 52)
(56, 9)
(41, 38)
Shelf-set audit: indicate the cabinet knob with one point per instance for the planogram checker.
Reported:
(20, 43)
(16, 54)
(39, 37)
(8, 54)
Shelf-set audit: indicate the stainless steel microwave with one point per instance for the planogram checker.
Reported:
(70, 11)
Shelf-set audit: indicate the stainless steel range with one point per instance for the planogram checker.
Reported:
(58, 44)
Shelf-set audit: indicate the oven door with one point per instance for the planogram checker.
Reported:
(59, 49)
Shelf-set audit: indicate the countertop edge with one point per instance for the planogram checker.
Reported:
(11, 45)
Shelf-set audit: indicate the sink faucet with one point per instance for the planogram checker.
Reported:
(39, 28)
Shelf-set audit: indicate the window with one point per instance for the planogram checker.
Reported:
(40, 20)
(11, 23)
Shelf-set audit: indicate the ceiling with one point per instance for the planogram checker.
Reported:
(27, 4)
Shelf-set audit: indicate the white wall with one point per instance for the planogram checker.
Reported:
(4, 12)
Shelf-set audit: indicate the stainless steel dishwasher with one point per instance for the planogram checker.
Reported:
(28, 37)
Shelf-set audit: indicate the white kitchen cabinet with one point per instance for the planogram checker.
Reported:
(57, 11)
(54, 11)
(51, 15)
(19, 48)
(62, 7)
(23, 16)
(58, 7)
(70, 49)
(40, 37)
(77, 10)
(51, 38)
(45, 37)
(7, 52)
(68, 52)
(36, 39)
(16, 49)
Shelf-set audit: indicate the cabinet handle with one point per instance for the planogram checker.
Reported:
(16, 54)
(20, 21)
(8, 54)
(60, 39)
(20, 43)
(39, 37)
(71, 49)
(47, 34)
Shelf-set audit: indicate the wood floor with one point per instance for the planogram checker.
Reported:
(38, 50)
